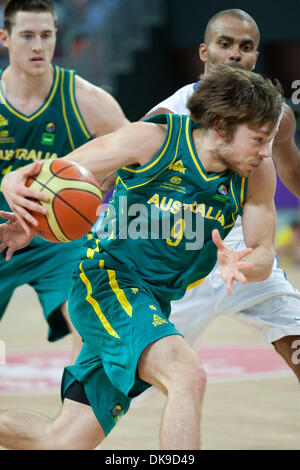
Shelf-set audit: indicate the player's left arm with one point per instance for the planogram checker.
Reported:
(259, 221)
(101, 112)
(286, 154)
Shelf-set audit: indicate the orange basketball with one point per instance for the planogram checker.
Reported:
(75, 200)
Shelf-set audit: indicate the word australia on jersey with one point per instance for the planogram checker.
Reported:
(52, 131)
(159, 221)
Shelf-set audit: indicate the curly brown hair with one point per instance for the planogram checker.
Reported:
(234, 96)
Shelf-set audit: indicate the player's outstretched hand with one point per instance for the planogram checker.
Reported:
(12, 235)
(19, 197)
(231, 262)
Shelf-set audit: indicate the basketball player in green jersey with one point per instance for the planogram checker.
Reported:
(46, 112)
(181, 183)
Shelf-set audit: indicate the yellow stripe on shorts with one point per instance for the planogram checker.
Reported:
(95, 304)
(90, 251)
(120, 294)
(195, 284)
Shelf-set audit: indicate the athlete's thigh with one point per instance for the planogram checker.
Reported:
(168, 358)
(86, 382)
(77, 427)
(117, 318)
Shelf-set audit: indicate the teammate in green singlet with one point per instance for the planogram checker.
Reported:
(180, 185)
(45, 112)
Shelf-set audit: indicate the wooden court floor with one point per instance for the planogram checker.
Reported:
(254, 414)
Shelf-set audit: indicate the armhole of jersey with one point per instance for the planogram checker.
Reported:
(75, 106)
(146, 171)
(158, 156)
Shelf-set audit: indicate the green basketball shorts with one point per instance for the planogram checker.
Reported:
(117, 319)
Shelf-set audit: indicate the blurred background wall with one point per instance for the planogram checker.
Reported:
(141, 51)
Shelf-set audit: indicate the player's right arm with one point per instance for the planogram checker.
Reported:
(133, 144)
(259, 221)
(286, 154)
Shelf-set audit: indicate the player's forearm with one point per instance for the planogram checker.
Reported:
(95, 157)
(262, 259)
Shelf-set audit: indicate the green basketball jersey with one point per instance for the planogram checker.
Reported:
(52, 131)
(158, 225)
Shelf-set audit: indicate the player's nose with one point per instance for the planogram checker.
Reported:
(235, 53)
(37, 44)
(266, 150)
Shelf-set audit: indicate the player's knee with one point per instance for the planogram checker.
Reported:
(5, 421)
(189, 377)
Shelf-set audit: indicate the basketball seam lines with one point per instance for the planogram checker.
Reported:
(59, 197)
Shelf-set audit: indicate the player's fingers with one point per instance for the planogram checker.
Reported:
(216, 238)
(32, 206)
(3, 245)
(32, 169)
(229, 286)
(240, 277)
(33, 194)
(8, 216)
(245, 252)
(9, 254)
(25, 219)
(244, 265)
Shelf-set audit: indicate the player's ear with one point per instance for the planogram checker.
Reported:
(220, 128)
(203, 52)
(4, 37)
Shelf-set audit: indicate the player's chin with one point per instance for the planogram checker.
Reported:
(38, 68)
(243, 172)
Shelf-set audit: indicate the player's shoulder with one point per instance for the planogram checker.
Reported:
(86, 88)
(147, 132)
(101, 112)
(141, 140)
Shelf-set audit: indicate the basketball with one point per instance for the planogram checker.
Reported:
(75, 200)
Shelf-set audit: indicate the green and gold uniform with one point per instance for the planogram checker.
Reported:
(52, 131)
(144, 257)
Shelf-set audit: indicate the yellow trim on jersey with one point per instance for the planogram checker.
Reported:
(120, 294)
(153, 178)
(90, 251)
(28, 119)
(153, 163)
(95, 305)
(194, 157)
(242, 202)
(64, 109)
(194, 284)
(101, 264)
(75, 107)
(236, 206)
